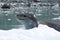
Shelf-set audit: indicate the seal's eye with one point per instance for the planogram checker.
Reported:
(24, 16)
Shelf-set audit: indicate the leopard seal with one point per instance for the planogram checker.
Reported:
(30, 21)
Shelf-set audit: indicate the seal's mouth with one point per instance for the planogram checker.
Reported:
(21, 17)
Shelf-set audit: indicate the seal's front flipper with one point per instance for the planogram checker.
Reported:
(53, 25)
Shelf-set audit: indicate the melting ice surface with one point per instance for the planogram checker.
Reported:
(43, 32)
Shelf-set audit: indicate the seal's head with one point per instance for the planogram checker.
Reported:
(28, 20)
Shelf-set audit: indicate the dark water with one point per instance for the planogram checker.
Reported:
(8, 18)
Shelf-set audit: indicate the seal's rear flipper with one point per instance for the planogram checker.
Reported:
(53, 25)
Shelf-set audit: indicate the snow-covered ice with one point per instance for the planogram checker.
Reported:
(43, 32)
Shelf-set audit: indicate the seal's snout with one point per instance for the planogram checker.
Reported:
(21, 16)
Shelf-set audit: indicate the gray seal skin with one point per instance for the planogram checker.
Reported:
(30, 22)
(53, 24)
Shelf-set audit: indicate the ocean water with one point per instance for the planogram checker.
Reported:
(8, 18)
